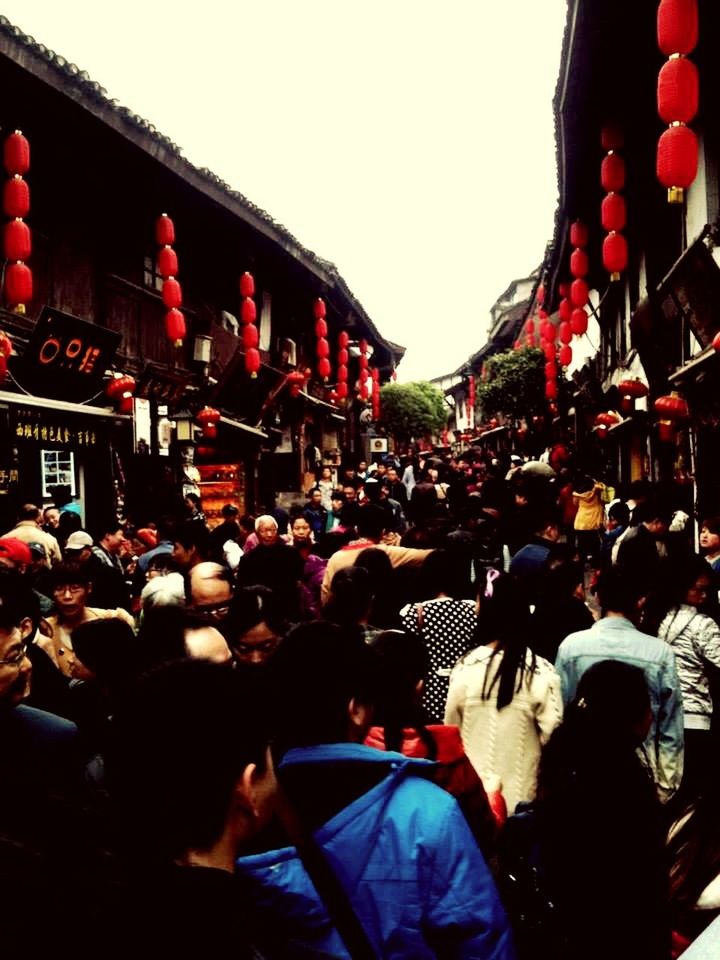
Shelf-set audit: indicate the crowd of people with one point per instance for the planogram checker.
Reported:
(452, 706)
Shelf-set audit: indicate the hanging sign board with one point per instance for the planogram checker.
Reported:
(66, 357)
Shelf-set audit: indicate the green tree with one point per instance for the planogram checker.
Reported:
(514, 385)
(413, 410)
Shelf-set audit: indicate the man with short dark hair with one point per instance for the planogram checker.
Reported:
(315, 513)
(191, 545)
(398, 846)
(615, 637)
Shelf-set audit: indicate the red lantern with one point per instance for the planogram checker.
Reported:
(323, 368)
(342, 357)
(716, 343)
(18, 285)
(16, 197)
(579, 293)
(613, 212)
(672, 407)
(322, 348)
(677, 161)
(319, 308)
(565, 332)
(117, 386)
(342, 373)
(630, 390)
(16, 154)
(342, 390)
(363, 361)
(208, 418)
(5, 345)
(565, 310)
(550, 370)
(542, 314)
(551, 389)
(612, 173)
(172, 293)
(249, 336)
(565, 355)
(666, 431)
(611, 138)
(615, 254)
(164, 231)
(17, 240)
(578, 234)
(579, 322)
(343, 340)
(549, 350)
(530, 326)
(248, 311)
(175, 328)
(247, 285)
(321, 328)
(167, 262)
(578, 263)
(517, 345)
(548, 331)
(540, 295)
(678, 91)
(252, 361)
(677, 26)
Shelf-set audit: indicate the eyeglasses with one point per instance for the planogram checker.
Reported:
(17, 658)
(73, 588)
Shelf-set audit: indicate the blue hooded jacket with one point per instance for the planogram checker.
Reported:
(406, 859)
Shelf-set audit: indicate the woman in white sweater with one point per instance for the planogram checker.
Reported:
(506, 700)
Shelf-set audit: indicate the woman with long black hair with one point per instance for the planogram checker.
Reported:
(505, 699)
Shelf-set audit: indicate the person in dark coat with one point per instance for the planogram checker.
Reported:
(273, 564)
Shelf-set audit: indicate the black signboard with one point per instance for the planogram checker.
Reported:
(66, 357)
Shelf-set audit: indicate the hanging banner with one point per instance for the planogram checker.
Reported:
(142, 425)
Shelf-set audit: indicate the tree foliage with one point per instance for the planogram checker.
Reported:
(514, 385)
(413, 410)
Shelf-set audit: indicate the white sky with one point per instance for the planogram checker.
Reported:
(408, 141)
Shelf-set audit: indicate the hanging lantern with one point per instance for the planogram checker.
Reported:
(343, 357)
(18, 286)
(517, 345)
(548, 331)
(613, 212)
(175, 328)
(550, 370)
(565, 332)
(615, 254)
(551, 389)
(322, 348)
(666, 431)
(164, 231)
(16, 154)
(16, 197)
(321, 328)
(578, 234)
(579, 293)
(677, 161)
(540, 295)
(343, 340)
(208, 418)
(565, 355)
(677, 26)
(565, 310)
(563, 289)
(296, 381)
(530, 326)
(716, 343)
(342, 373)
(120, 390)
(323, 368)
(17, 240)
(612, 173)
(579, 322)
(250, 336)
(549, 350)
(579, 263)
(248, 311)
(247, 285)
(672, 407)
(252, 362)
(630, 391)
(319, 309)
(167, 262)
(5, 345)
(678, 90)
(342, 390)
(172, 293)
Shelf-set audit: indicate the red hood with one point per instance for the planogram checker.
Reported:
(447, 738)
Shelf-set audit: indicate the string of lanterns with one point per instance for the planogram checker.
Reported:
(248, 316)
(17, 240)
(375, 374)
(612, 210)
(342, 365)
(167, 266)
(363, 362)
(677, 96)
(322, 347)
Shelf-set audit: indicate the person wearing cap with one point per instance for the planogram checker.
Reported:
(29, 529)
(516, 463)
(109, 589)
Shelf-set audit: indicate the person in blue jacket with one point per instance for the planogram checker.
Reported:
(398, 845)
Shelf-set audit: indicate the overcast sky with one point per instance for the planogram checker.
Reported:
(408, 141)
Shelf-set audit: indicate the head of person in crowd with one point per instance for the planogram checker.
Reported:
(163, 590)
(255, 626)
(349, 492)
(323, 686)
(161, 565)
(173, 632)
(547, 526)
(267, 530)
(443, 573)
(70, 522)
(211, 590)
(301, 532)
(315, 498)
(30, 513)
(16, 632)
(504, 623)
(51, 519)
(15, 554)
(337, 501)
(620, 594)
(110, 536)
(370, 523)
(192, 504)
(78, 547)
(189, 768)
(402, 664)
(191, 545)
(710, 537)
(654, 515)
(70, 582)
(351, 599)
(618, 516)
(392, 475)
(326, 474)
(247, 526)
(385, 603)
(691, 582)
(105, 652)
(362, 468)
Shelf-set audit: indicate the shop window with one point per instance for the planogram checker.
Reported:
(151, 278)
(58, 469)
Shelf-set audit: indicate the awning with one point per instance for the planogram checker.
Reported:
(45, 403)
(319, 403)
(229, 422)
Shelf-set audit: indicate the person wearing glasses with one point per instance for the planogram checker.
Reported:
(70, 591)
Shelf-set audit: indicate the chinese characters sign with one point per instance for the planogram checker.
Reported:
(52, 426)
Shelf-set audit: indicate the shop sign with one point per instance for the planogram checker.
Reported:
(66, 357)
(49, 426)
